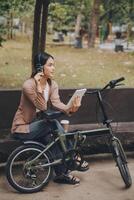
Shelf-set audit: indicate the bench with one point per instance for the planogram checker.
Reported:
(121, 99)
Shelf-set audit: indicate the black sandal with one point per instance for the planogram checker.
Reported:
(67, 179)
(83, 166)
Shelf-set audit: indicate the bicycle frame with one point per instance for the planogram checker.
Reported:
(62, 136)
(31, 170)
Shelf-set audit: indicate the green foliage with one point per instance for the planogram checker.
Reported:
(3, 9)
(16, 8)
(64, 13)
(58, 14)
(2, 33)
(118, 11)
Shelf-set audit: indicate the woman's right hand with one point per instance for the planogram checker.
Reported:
(37, 78)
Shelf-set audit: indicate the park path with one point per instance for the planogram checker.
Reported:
(101, 182)
(111, 46)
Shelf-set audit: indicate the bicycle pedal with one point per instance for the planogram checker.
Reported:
(33, 176)
(82, 139)
(107, 121)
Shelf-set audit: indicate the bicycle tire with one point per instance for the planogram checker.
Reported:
(16, 176)
(120, 158)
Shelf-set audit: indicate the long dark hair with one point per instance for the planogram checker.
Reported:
(39, 61)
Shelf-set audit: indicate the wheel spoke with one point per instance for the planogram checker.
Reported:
(27, 177)
(120, 158)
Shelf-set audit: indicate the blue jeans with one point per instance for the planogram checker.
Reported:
(41, 131)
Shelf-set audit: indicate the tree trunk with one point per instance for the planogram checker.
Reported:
(8, 28)
(40, 24)
(78, 24)
(36, 28)
(11, 25)
(44, 26)
(94, 22)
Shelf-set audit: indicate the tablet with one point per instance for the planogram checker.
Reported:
(78, 93)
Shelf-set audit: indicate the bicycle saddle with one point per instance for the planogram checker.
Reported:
(50, 114)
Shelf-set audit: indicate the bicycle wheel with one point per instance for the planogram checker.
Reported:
(24, 177)
(120, 158)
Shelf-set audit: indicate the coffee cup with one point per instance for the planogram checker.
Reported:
(65, 124)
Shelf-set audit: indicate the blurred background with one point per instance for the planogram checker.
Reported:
(92, 41)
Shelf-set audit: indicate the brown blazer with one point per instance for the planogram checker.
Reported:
(31, 99)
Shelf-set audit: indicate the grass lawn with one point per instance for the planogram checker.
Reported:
(75, 68)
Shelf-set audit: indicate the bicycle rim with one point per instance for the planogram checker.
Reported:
(122, 164)
(28, 178)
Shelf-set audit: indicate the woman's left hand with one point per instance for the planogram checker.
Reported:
(75, 104)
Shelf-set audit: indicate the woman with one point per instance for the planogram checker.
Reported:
(36, 93)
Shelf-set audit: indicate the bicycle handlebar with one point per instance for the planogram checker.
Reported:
(112, 84)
